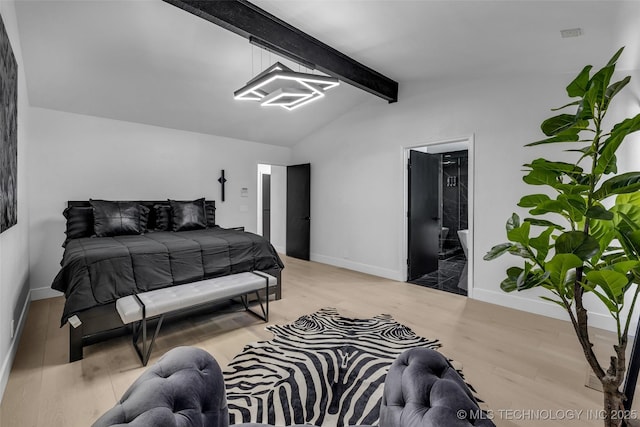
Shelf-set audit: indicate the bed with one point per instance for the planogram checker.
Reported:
(119, 248)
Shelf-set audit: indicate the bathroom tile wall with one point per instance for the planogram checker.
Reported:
(455, 180)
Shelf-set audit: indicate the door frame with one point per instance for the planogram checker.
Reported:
(258, 210)
(455, 144)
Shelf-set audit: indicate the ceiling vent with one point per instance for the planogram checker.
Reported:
(572, 32)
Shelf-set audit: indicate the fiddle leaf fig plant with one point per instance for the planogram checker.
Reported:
(582, 234)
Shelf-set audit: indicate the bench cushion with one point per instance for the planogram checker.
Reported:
(161, 301)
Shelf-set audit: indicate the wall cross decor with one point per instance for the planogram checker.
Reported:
(222, 180)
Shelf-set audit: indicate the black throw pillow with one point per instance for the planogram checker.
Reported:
(115, 218)
(79, 222)
(163, 217)
(211, 213)
(188, 215)
(144, 218)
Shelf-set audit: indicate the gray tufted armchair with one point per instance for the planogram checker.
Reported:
(185, 388)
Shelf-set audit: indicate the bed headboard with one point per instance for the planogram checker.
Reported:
(211, 205)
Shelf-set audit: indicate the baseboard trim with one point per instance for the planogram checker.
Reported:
(280, 249)
(7, 363)
(356, 266)
(543, 308)
(44, 293)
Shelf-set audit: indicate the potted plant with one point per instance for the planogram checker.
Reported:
(583, 233)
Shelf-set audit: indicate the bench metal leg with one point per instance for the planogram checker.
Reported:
(147, 346)
(265, 311)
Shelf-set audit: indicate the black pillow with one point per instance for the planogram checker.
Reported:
(188, 215)
(144, 218)
(115, 218)
(211, 213)
(163, 217)
(79, 222)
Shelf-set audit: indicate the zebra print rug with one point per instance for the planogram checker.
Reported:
(323, 369)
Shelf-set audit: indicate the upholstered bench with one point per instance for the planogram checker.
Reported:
(185, 388)
(138, 308)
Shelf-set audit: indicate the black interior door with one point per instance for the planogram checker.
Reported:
(266, 206)
(298, 210)
(424, 224)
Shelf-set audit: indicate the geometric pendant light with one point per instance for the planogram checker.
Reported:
(280, 86)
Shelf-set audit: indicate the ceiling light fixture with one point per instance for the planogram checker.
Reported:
(280, 86)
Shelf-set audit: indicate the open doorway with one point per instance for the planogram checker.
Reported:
(439, 212)
(272, 204)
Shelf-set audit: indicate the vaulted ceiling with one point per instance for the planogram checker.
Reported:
(147, 61)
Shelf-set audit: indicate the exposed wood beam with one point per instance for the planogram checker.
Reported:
(264, 29)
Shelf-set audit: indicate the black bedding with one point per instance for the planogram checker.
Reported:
(99, 270)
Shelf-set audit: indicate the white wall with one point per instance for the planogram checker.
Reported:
(279, 208)
(76, 157)
(14, 249)
(358, 171)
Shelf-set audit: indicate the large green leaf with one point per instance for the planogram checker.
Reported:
(521, 251)
(574, 205)
(634, 238)
(614, 89)
(620, 184)
(510, 284)
(543, 223)
(578, 86)
(541, 244)
(611, 305)
(560, 167)
(559, 266)
(599, 212)
(497, 251)
(629, 199)
(603, 231)
(611, 282)
(598, 85)
(532, 200)
(578, 243)
(585, 109)
(607, 160)
(530, 279)
(571, 104)
(513, 222)
(615, 56)
(572, 188)
(520, 234)
(571, 135)
(550, 206)
(624, 267)
(542, 177)
(561, 123)
(626, 217)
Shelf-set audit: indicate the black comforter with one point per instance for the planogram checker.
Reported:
(97, 271)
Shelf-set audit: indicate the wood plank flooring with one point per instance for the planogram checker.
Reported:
(517, 361)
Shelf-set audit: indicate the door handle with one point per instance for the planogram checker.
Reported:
(306, 218)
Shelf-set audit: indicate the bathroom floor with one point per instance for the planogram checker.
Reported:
(447, 277)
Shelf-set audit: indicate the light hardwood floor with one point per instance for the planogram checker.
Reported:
(516, 361)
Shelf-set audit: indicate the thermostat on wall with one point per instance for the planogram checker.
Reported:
(244, 192)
